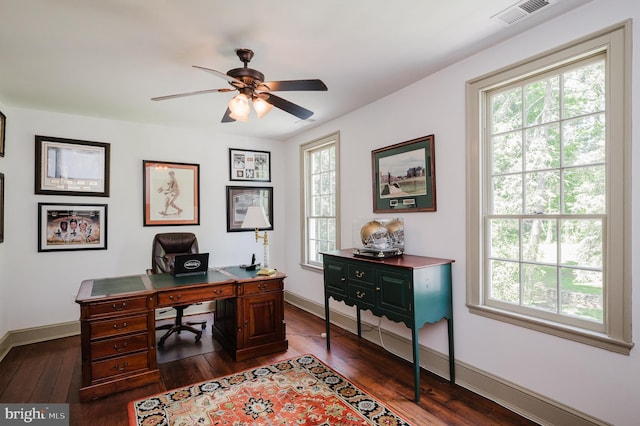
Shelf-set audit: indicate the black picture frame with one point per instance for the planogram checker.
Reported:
(404, 177)
(239, 198)
(3, 131)
(71, 167)
(249, 165)
(161, 205)
(70, 227)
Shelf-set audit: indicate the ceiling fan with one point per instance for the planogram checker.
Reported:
(252, 87)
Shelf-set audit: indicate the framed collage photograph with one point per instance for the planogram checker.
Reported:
(71, 167)
(171, 193)
(240, 198)
(249, 165)
(3, 130)
(72, 227)
(404, 177)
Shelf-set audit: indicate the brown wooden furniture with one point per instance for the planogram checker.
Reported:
(117, 317)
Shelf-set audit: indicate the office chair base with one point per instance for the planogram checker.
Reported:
(177, 329)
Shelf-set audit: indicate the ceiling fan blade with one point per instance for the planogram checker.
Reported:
(198, 92)
(290, 85)
(233, 80)
(226, 118)
(287, 106)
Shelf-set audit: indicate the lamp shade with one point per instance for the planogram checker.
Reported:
(255, 218)
(261, 106)
(239, 106)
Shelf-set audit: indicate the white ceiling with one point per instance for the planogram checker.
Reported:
(107, 58)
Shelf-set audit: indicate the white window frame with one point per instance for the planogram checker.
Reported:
(615, 43)
(331, 140)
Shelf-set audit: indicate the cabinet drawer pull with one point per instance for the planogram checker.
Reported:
(179, 296)
(359, 274)
(120, 348)
(119, 307)
(360, 294)
(124, 325)
(118, 368)
(343, 279)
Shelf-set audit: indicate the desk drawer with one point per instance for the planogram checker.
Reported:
(117, 306)
(122, 325)
(200, 294)
(118, 346)
(363, 273)
(258, 287)
(121, 365)
(363, 295)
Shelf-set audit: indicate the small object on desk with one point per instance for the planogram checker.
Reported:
(252, 266)
(266, 271)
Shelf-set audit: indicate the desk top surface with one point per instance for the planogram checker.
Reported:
(150, 283)
(408, 261)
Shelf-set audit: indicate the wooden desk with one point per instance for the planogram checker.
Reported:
(117, 317)
(414, 290)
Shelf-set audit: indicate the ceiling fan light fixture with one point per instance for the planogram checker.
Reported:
(239, 107)
(261, 106)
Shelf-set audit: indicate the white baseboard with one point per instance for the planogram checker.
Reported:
(525, 402)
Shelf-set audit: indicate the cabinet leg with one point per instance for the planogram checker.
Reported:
(452, 358)
(327, 323)
(359, 323)
(416, 365)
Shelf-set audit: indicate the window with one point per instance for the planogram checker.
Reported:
(548, 184)
(321, 195)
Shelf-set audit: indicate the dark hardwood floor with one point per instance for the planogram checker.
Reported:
(50, 372)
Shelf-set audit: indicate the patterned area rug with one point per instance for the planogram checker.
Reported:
(298, 391)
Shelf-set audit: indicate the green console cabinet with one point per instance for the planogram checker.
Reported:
(414, 290)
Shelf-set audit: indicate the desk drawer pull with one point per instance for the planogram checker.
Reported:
(359, 274)
(124, 325)
(119, 307)
(177, 297)
(120, 348)
(118, 368)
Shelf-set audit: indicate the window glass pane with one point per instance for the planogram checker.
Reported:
(506, 110)
(507, 152)
(542, 147)
(583, 90)
(584, 140)
(582, 294)
(505, 239)
(542, 101)
(543, 192)
(540, 287)
(581, 242)
(315, 162)
(539, 242)
(507, 194)
(505, 281)
(584, 190)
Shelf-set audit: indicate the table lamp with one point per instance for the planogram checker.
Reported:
(256, 218)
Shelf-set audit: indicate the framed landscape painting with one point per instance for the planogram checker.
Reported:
(404, 177)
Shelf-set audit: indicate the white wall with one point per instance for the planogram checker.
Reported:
(595, 381)
(40, 288)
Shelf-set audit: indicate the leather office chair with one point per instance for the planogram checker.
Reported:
(165, 248)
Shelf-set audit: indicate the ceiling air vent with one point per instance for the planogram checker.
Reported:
(521, 10)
